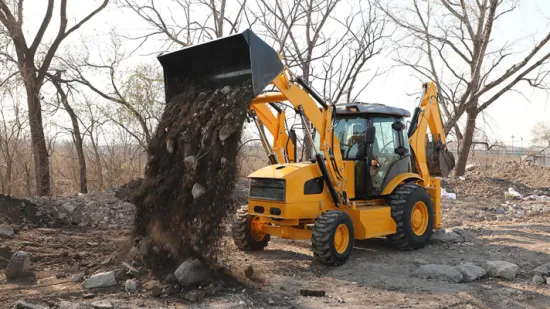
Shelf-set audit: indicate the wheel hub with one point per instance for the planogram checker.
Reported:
(256, 229)
(419, 218)
(341, 238)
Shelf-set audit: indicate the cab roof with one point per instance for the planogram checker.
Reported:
(370, 108)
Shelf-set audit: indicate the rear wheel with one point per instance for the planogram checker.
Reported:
(246, 231)
(412, 211)
(332, 238)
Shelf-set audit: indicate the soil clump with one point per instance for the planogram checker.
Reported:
(191, 170)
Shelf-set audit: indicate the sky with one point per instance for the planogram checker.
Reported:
(513, 114)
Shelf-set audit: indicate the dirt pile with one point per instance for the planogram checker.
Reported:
(493, 180)
(191, 171)
(17, 212)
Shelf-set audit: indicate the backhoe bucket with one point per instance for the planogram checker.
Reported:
(227, 61)
(439, 159)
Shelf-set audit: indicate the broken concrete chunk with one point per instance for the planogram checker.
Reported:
(77, 277)
(190, 162)
(69, 207)
(18, 265)
(542, 270)
(102, 304)
(100, 280)
(501, 269)
(441, 238)
(439, 272)
(225, 90)
(190, 272)
(470, 271)
(470, 167)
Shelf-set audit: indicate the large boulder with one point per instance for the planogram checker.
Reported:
(501, 269)
(438, 272)
(190, 272)
(18, 265)
(100, 280)
(470, 271)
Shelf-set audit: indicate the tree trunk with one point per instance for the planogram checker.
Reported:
(467, 140)
(97, 161)
(39, 150)
(77, 137)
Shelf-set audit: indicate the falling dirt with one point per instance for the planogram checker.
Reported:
(191, 170)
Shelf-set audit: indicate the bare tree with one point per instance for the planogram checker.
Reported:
(541, 134)
(33, 67)
(197, 21)
(63, 97)
(451, 43)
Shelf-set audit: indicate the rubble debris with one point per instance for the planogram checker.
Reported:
(470, 167)
(195, 295)
(448, 195)
(21, 304)
(18, 265)
(190, 272)
(182, 206)
(512, 194)
(501, 269)
(154, 287)
(439, 272)
(315, 293)
(470, 272)
(69, 305)
(100, 280)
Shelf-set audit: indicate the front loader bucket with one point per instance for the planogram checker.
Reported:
(226, 61)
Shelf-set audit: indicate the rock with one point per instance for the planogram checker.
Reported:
(77, 277)
(270, 301)
(470, 167)
(542, 270)
(6, 231)
(69, 207)
(198, 190)
(131, 270)
(420, 261)
(140, 303)
(501, 269)
(537, 280)
(439, 272)
(441, 238)
(88, 295)
(21, 304)
(18, 265)
(225, 90)
(170, 146)
(190, 272)
(470, 271)
(195, 296)
(68, 305)
(171, 279)
(102, 304)
(190, 162)
(100, 280)
(144, 245)
(500, 211)
(131, 285)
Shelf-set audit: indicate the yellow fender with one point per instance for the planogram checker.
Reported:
(399, 179)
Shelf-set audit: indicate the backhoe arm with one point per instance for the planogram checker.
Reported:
(431, 158)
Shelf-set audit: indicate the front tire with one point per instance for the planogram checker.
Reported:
(332, 238)
(412, 211)
(245, 232)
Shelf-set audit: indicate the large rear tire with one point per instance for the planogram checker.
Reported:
(245, 232)
(412, 211)
(332, 238)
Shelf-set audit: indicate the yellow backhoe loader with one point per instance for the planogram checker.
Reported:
(368, 177)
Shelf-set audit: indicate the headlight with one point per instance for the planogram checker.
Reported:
(267, 189)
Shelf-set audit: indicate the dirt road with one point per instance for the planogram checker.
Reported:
(376, 276)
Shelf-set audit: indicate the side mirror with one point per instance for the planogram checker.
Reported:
(370, 135)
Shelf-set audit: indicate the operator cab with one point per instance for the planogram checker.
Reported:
(374, 136)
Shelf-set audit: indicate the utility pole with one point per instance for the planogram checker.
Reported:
(512, 145)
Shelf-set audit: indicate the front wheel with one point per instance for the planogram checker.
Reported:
(412, 211)
(332, 238)
(246, 231)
